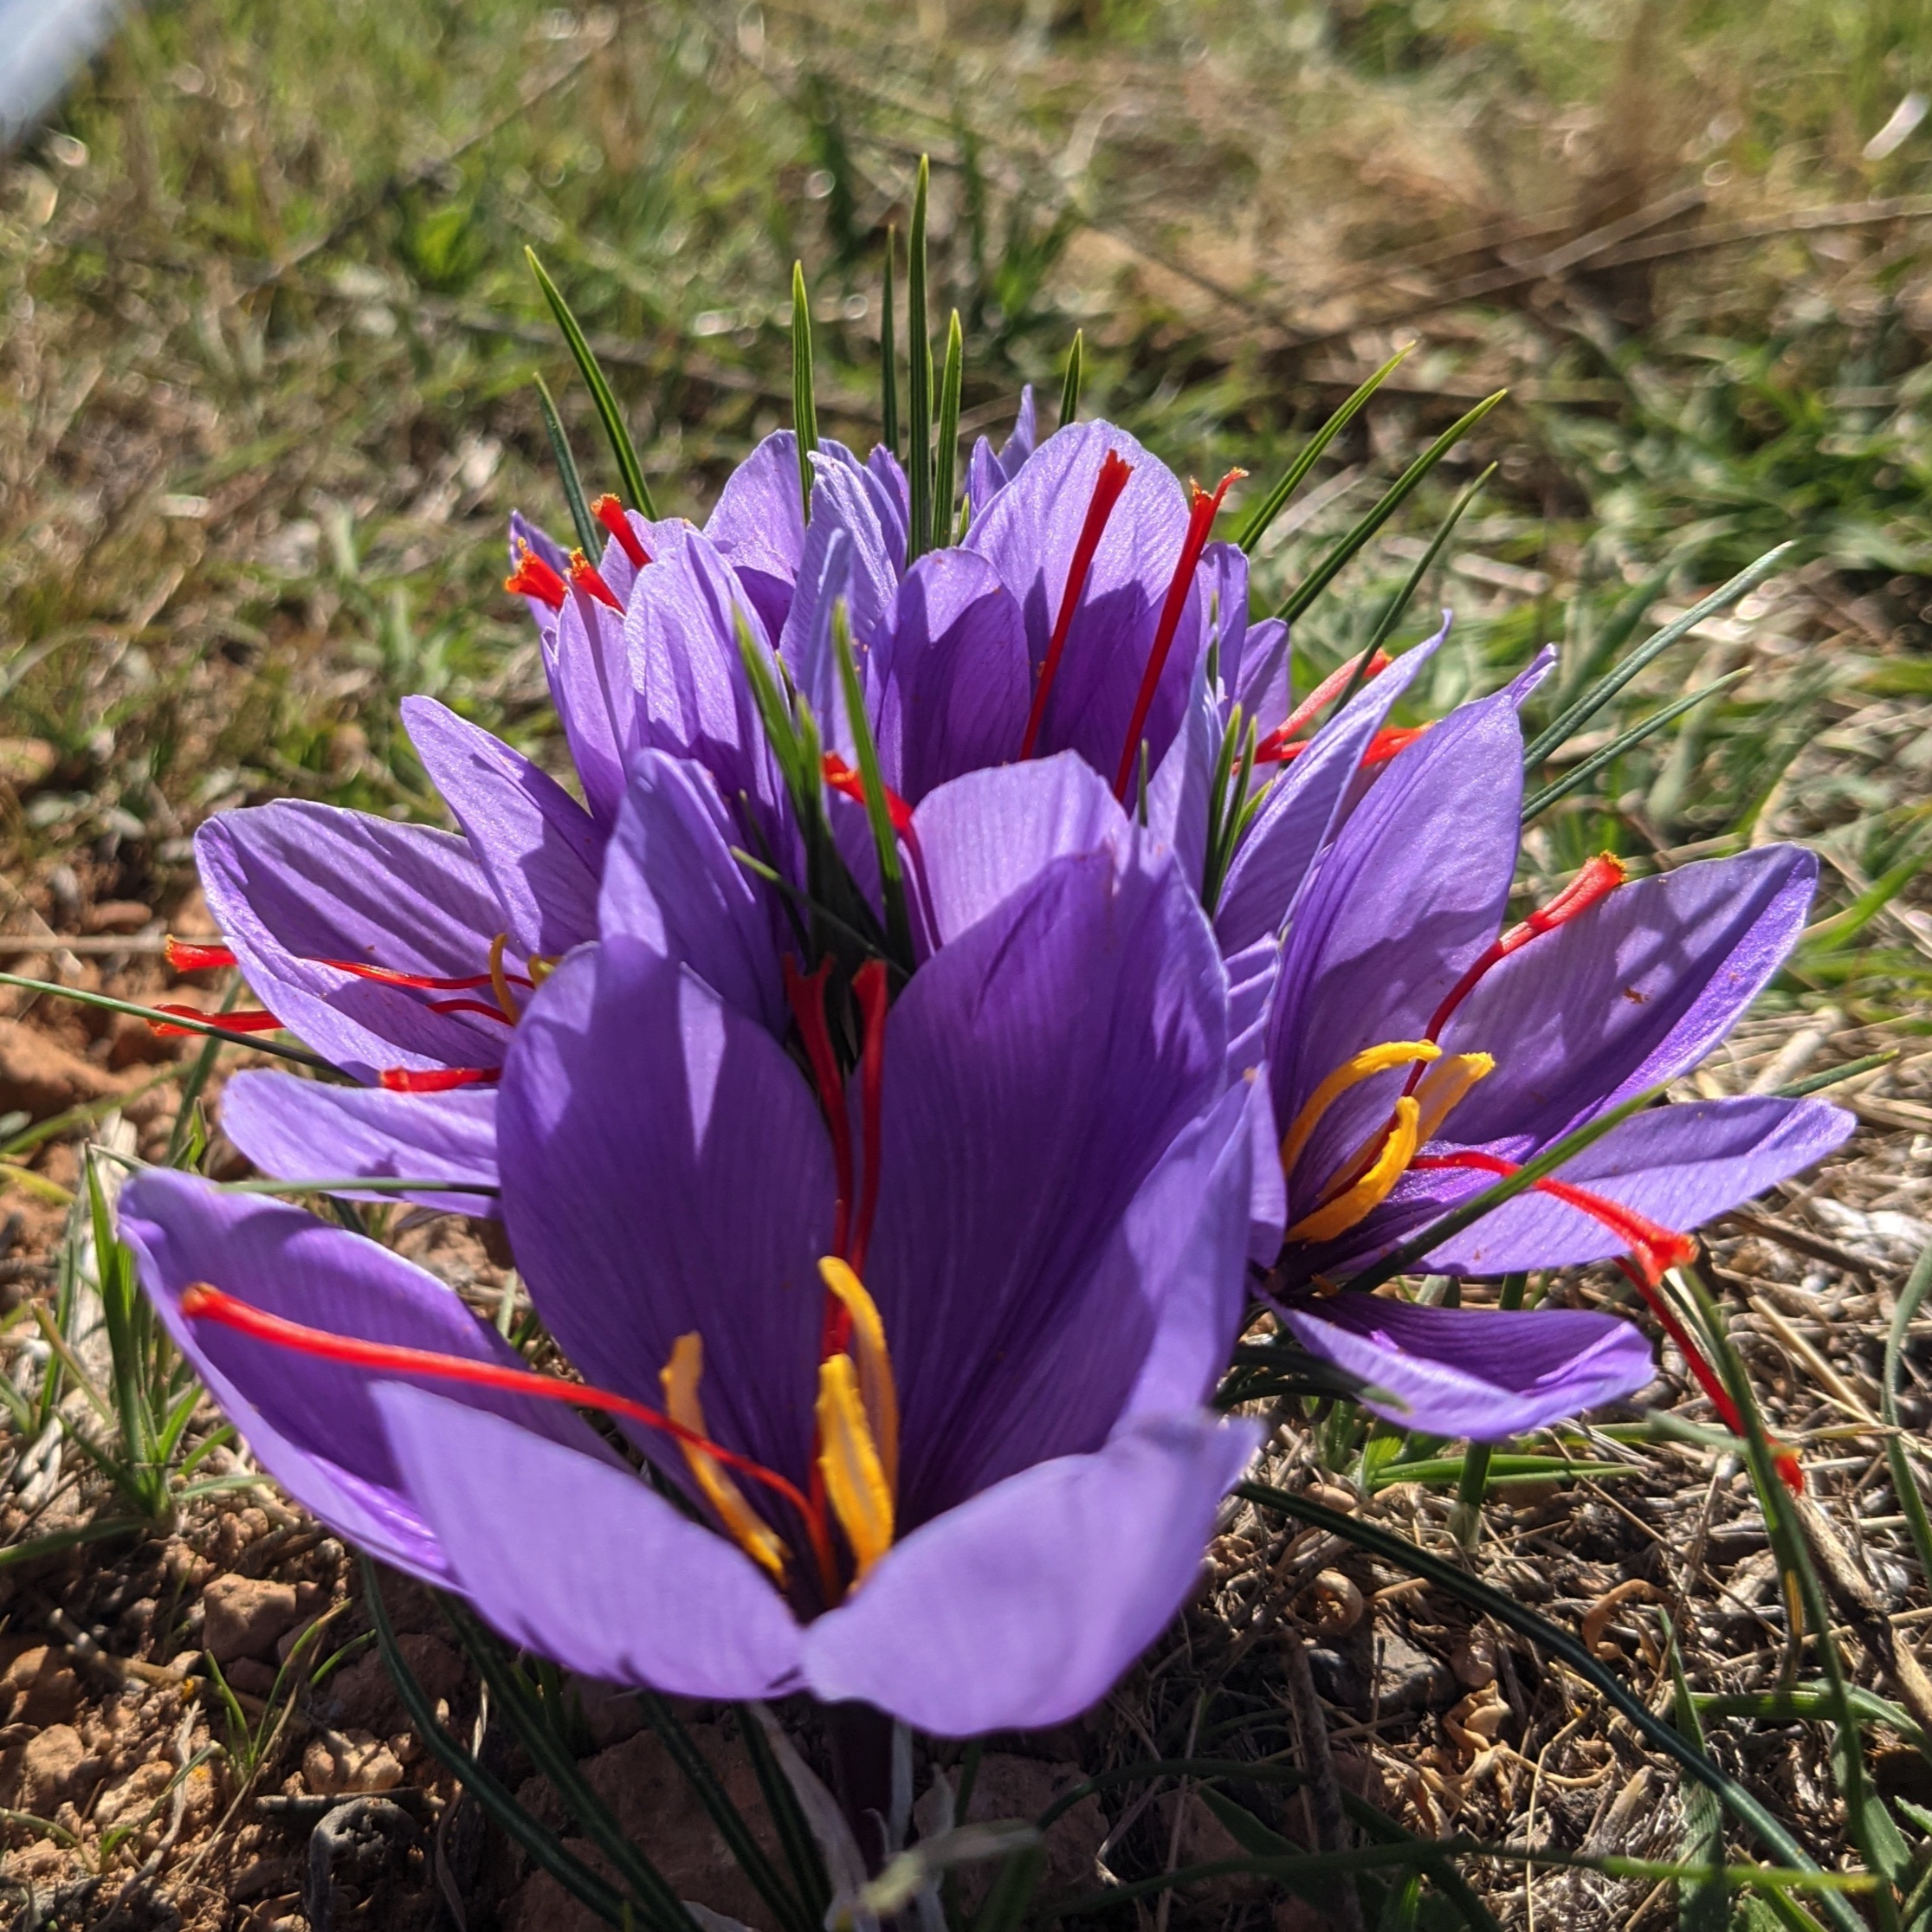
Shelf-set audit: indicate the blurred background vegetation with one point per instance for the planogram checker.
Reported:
(271, 338)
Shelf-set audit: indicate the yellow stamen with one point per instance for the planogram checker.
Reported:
(877, 1390)
(849, 1459)
(1370, 1060)
(541, 965)
(1440, 1091)
(680, 1377)
(499, 980)
(1356, 1202)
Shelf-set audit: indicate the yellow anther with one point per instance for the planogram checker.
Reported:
(1350, 1073)
(1356, 1202)
(680, 1377)
(541, 965)
(499, 980)
(849, 1459)
(1440, 1091)
(876, 1389)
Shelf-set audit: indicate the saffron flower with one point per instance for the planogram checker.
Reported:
(916, 1351)
(1419, 1049)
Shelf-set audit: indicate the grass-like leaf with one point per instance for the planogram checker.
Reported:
(1465, 1523)
(1905, 1487)
(878, 811)
(1276, 501)
(1069, 384)
(1397, 494)
(805, 402)
(919, 377)
(256, 1042)
(1573, 719)
(889, 354)
(1608, 754)
(945, 454)
(623, 452)
(590, 535)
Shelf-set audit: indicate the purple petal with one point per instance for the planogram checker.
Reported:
(1675, 1165)
(1023, 1607)
(314, 1424)
(1628, 995)
(1479, 1373)
(844, 502)
(950, 667)
(542, 851)
(1037, 1069)
(1019, 445)
(582, 1561)
(292, 884)
(1410, 892)
(984, 479)
(1274, 862)
(981, 839)
(666, 1169)
(1177, 792)
(758, 526)
(670, 881)
(590, 684)
(304, 1130)
(1265, 690)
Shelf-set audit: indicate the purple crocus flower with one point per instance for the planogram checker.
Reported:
(927, 1368)
(1416, 1052)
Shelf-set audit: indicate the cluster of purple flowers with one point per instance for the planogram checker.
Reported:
(897, 1147)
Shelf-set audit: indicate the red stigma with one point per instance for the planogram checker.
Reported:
(585, 576)
(387, 976)
(532, 576)
(482, 1008)
(843, 779)
(192, 956)
(1108, 486)
(805, 994)
(1388, 741)
(1275, 749)
(238, 1023)
(201, 1303)
(610, 513)
(1599, 878)
(868, 984)
(436, 1079)
(1201, 514)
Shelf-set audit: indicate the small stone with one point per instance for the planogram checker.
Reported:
(362, 1695)
(250, 1675)
(26, 762)
(39, 1688)
(39, 1078)
(33, 1862)
(244, 1615)
(1336, 1679)
(1406, 1677)
(340, 1763)
(134, 1796)
(53, 1764)
(1204, 1839)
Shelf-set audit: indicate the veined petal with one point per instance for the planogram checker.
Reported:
(582, 1561)
(758, 526)
(542, 851)
(306, 1130)
(1479, 1373)
(1023, 1606)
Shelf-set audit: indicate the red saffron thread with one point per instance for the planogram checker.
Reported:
(436, 1079)
(1599, 878)
(586, 576)
(1274, 748)
(610, 513)
(868, 984)
(1201, 514)
(192, 956)
(1108, 486)
(532, 576)
(238, 1023)
(805, 994)
(843, 779)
